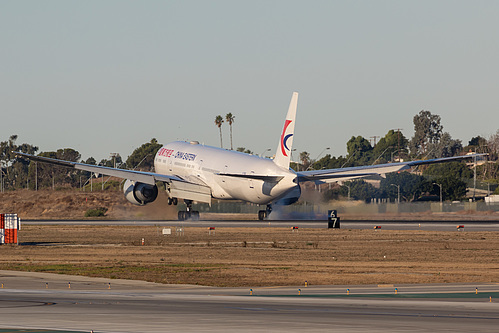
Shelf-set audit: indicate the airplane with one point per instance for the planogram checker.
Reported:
(199, 173)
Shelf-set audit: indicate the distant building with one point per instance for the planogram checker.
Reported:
(492, 198)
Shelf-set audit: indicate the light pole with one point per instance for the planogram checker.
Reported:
(322, 152)
(1, 177)
(398, 192)
(317, 157)
(297, 164)
(376, 160)
(355, 152)
(113, 156)
(348, 190)
(439, 185)
(263, 152)
(391, 156)
(474, 179)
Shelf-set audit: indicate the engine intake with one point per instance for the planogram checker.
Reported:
(139, 193)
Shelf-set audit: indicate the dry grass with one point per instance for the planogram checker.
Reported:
(258, 256)
(71, 204)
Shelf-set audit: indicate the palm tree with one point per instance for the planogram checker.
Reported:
(230, 119)
(305, 159)
(218, 121)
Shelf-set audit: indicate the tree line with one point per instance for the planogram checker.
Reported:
(20, 173)
(429, 141)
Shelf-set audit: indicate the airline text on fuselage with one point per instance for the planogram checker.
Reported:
(164, 152)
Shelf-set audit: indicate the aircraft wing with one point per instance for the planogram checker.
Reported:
(333, 175)
(139, 176)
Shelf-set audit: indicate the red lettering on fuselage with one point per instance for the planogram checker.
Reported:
(165, 152)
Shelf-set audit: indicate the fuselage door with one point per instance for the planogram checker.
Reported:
(250, 180)
(226, 168)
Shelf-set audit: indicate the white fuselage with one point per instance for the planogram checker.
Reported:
(206, 165)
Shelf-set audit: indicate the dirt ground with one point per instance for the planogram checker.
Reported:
(234, 256)
(257, 256)
(72, 205)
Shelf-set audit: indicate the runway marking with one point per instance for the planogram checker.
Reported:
(33, 303)
(362, 312)
(482, 295)
(250, 309)
(35, 331)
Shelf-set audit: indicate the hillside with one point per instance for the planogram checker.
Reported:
(72, 204)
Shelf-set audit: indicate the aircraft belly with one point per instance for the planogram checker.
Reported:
(240, 188)
(252, 190)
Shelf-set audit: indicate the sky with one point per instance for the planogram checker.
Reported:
(107, 76)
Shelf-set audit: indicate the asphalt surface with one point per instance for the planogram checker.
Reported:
(39, 301)
(475, 225)
(32, 301)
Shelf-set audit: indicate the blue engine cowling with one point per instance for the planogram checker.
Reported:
(290, 198)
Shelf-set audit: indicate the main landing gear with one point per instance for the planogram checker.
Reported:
(264, 214)
(187, 214)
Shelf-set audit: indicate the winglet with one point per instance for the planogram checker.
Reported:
(283, 152)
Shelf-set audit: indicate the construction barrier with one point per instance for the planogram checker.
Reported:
(10, 224)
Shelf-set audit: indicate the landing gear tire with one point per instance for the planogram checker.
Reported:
(174, 201)
(170, 201)
(264, 214)
(188, 214)
(183, 215)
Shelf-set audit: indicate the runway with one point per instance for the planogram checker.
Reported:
(432, 225)
(73, 303)
(45, 301)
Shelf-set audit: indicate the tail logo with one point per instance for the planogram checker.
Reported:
(284, 138)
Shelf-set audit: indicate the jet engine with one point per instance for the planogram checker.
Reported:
(290, 198)
(139, 193)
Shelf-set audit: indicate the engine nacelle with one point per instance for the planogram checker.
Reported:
(139, 193)
(290, 198)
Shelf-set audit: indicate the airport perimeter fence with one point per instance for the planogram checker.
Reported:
(312, 210)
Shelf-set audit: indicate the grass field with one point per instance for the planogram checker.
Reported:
(257, 256)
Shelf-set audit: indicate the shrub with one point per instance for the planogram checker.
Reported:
(96, 212)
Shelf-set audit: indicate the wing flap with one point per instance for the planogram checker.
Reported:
(190, 191)
(328, 178)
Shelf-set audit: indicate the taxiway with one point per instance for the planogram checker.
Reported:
(45, 301)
